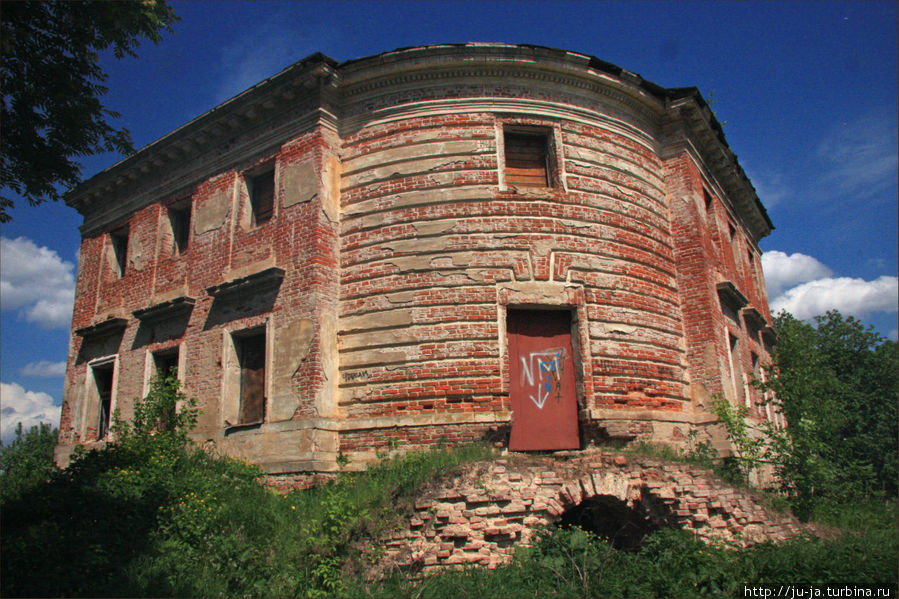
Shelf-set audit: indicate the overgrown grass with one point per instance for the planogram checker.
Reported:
(671, 563)
(155, 516)
(162, 520)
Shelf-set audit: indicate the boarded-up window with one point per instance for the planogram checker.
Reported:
(119, 241)
(103, 375)
(527, 159)
(251, 360)
(179, 218)
(262, 196)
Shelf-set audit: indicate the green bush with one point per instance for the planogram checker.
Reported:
(153, 515)
(671, 563)
(27, 461)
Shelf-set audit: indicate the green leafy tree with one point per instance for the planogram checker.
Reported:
(27, 461)
(52, 83)
(836, 384)
(165, 410)
(749, 442)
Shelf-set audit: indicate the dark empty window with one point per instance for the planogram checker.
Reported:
(166, 363)
(708, 199)
(103, 380)
(734, 363)
(119, 241)
(251, 359)
(527, 158)
(262, 196)
(179, 218)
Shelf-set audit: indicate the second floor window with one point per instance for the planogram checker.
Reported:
(179, 219)
(262, 196)
(119, 241)
(527, 158)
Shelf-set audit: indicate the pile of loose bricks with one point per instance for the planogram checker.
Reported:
(480, 514)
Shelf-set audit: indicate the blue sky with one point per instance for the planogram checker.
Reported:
(807, 92)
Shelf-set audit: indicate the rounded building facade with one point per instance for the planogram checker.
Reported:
(432, 245)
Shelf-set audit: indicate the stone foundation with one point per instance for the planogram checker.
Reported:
(481, 514)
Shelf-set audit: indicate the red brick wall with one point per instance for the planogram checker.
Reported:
(405, 253)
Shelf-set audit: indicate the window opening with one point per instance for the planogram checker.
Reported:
(119, 241)
(262, 196)
(752, 392)
(733, 358)
(166, 363)
(708, 199)
(527, 158)
(179, 218)
(103, 376)
(250, 351)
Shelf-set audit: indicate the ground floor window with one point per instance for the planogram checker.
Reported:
(103, 377)
(250, 350)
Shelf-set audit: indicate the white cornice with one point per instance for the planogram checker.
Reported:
(317, 92)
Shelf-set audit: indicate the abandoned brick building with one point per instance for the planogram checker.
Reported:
(435, 244)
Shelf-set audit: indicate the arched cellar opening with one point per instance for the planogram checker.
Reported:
(610, 518)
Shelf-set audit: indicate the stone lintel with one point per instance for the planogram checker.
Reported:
(270, 277)
(730, 295)
(165, 309)
(754, 317)
(108, 326)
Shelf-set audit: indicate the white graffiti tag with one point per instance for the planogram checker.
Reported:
(548, 369)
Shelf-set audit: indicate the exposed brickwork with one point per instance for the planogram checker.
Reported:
(396, 248)
(481, 514)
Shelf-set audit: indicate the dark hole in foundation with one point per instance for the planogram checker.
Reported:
(610, 518)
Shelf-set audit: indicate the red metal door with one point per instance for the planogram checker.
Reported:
(542, 388)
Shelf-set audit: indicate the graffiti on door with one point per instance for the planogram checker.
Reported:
(547, 366)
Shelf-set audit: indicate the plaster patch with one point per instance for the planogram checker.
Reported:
(403, 297)
(300, 184)
(211, 214)
(433, 228)
(136, 259)
(290, 349)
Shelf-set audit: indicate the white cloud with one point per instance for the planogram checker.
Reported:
(28, 407)
(783, 271)
(37, 282)
(855, 297)
(44, 369)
